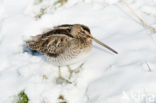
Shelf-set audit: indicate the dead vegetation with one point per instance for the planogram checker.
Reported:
(149, 68)
(60, 2)
(152, 29)
(61, 99)
(57, 4)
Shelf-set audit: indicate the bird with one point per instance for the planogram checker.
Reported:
(65, 45)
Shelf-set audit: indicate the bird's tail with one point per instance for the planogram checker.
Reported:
(33, 42)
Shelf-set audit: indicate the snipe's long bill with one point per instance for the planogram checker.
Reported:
(104, 45)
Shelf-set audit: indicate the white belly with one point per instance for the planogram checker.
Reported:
(69, 59)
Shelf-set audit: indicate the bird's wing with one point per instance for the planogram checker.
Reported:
(51, 45)
(57, 44)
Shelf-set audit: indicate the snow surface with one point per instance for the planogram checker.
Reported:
(128, 77)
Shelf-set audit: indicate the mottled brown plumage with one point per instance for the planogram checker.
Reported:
(65, 44)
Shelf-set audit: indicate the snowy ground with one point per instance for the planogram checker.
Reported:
(129, 77)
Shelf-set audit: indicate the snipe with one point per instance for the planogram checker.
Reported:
(65, 45)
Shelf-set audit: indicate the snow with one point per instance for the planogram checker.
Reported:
(128, 77)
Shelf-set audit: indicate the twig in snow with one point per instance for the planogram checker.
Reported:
(59, 3)
(42, 12)
(62, 2)
(152, 29)
(149, 68)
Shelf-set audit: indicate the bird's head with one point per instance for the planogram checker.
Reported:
(82, 31)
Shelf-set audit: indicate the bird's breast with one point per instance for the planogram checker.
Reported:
(72, 55)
